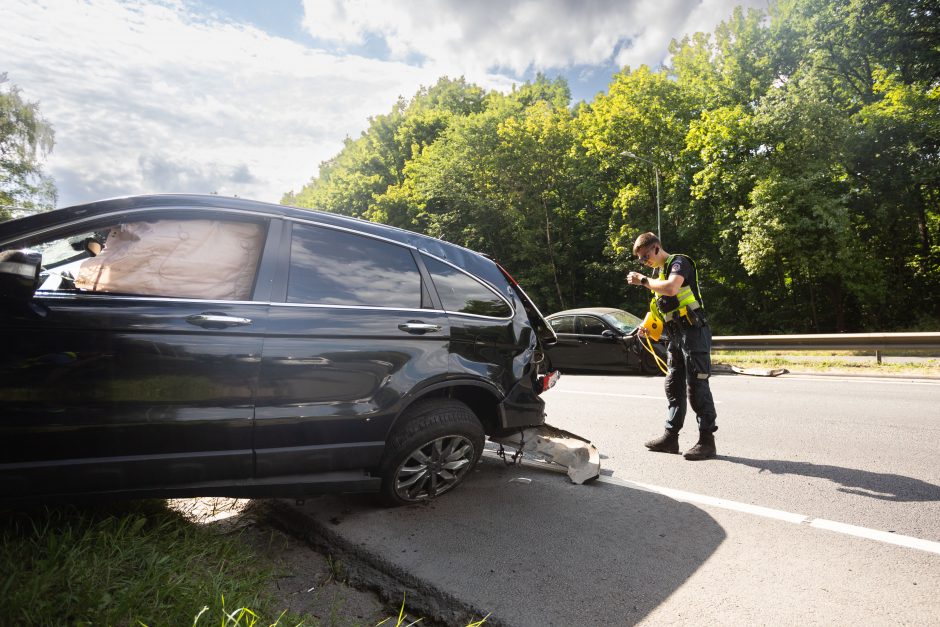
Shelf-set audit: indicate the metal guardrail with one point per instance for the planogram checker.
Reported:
(878, 342)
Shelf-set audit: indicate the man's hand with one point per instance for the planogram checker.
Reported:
(635, 278)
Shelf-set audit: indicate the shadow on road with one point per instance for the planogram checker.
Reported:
(876, 485)
(538, 552)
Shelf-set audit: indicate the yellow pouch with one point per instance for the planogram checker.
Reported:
(653, 326)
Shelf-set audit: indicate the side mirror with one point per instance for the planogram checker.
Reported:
(609, 334)
(19, 275)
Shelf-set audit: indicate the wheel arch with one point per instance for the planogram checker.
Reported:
(482, 398)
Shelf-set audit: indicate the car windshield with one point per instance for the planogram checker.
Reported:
(623, 321)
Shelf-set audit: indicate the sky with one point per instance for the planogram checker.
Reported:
(247, 97)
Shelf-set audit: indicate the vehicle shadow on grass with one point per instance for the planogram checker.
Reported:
(876, 485)
(521, 544)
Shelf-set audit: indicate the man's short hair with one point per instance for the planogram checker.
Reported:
(644, 240)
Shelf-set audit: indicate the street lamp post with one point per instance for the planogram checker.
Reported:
(627, 153)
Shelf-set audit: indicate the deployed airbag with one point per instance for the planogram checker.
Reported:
(206, 259)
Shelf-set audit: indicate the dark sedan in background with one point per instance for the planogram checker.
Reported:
(601, 339)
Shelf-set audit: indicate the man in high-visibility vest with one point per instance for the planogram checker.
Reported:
(678, 300)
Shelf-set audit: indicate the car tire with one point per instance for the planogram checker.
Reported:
(432, 450)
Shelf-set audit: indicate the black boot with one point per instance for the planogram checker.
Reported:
(704, 448)
(666, 443)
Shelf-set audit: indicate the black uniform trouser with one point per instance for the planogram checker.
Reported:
(689, 365)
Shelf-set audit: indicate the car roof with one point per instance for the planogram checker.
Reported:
(469, 260)
(585, 310)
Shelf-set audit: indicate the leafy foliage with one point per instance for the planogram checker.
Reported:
(25, 139)
(797, 154)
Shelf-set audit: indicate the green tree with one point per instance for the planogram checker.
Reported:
(647, 114)
(736, 65)
(824, 136)
(542, 175)
(25, 140)
(512, 181)
(797, 159)
(879, 61)
(366, 167)
(892, 155)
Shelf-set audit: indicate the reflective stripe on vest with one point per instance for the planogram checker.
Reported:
(681, 310)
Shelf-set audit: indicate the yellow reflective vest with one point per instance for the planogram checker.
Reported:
(687, 299)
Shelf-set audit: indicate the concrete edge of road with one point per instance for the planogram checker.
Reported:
(365, 569)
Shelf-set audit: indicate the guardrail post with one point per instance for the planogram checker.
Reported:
(878, 356)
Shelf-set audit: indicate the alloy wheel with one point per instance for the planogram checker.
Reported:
(434, 468)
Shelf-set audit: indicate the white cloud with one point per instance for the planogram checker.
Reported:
(165, 96)
(152, 98)
(521, 35)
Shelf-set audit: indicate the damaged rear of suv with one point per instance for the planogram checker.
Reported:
(189, 345)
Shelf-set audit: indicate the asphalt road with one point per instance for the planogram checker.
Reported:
(823, 508)
(856, 450)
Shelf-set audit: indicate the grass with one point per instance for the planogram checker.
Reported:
(400, 620)
(134, 563)
(909, 363)
(142, 564)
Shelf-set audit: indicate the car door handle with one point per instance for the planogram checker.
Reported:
(418, 327)
(216, 321)
(302, 361)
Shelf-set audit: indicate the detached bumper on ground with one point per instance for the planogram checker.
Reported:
(546, 442)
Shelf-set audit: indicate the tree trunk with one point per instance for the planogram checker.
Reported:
(922, 230)
(812, 302)
(551, 253)
(838, 303)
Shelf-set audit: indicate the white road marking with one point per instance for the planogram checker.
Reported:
(799, 519)
(645, 397)
(691, 497)
(875, 534)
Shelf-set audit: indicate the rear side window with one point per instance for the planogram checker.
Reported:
(463, 294)
(565, 324)
(591, 325)
(336, 268)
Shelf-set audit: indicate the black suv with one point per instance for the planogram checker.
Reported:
(180, 345)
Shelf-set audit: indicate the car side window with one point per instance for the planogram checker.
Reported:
(565, 324)
(589, 325)
(63, 257)
(331, 267)
(177, 258)
(463, 294)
